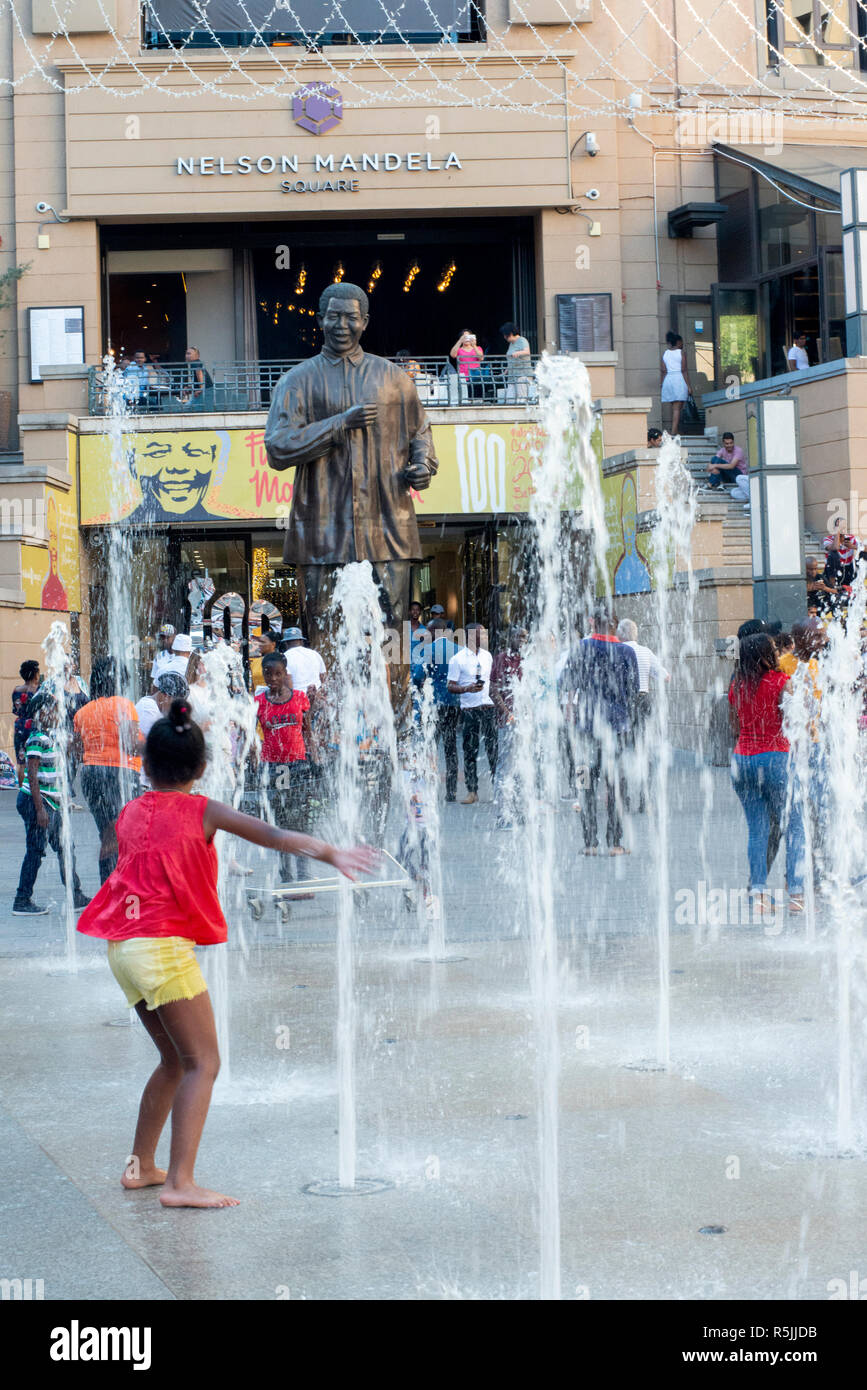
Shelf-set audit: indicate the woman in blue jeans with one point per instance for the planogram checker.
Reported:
(760, 767)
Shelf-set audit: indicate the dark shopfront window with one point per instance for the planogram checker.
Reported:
(426, 282)
(780, 269)
(427, 279)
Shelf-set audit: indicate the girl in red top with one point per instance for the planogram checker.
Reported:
(284, 718)
(760, 767)
(159, 902)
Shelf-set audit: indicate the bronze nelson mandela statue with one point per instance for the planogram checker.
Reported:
(353, 428)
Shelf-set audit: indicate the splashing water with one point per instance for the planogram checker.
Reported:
(846, 789)
(675, 609)
(425, 831)
(567, 474)
(366, 764)
(56, 649)
(120, 556)
(228, 717)
(800, 723)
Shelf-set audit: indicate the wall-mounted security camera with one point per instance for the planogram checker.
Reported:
(591, 143)
(43, 207)
(592, 194)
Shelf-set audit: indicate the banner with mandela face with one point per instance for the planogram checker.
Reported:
(209, 476)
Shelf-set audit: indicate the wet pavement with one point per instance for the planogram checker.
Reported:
(739, 1133)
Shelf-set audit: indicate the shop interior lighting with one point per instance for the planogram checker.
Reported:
(446, 277)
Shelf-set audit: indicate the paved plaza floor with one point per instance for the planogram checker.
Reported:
(738, 1134)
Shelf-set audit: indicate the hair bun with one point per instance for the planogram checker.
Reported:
(180, 716)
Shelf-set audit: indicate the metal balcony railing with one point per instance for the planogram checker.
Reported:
(174, 387)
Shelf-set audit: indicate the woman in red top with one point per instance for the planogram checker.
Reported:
(284, 718)
(760, 767)
(159, 902)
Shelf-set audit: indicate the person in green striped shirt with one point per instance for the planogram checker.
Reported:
(38, 806)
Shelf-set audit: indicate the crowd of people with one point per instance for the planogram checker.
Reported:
(607, 685)
(471, 693)
(780, 762)
(829, 586)
(149, 386)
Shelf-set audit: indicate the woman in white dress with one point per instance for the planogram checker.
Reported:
(674, 378)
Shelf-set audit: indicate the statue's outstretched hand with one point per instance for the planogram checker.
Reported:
(417, 475)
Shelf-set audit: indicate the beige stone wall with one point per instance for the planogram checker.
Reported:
(8, 317)
(512, 162)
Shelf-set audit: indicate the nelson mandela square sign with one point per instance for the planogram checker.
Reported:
(323, 166)
(318, 109)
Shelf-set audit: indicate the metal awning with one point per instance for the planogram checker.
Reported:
(682, 221)
(809, 170)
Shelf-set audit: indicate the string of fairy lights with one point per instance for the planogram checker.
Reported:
(788, 64)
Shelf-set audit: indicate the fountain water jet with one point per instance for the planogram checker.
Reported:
(425, 830)
(566, 477)
(672, 539)
(56, 649)
(839, 727)
(366, 727)
(230, 716)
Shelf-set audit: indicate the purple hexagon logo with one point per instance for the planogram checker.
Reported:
(317, 108)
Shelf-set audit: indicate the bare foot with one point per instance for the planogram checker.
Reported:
(149, 1177)
(193, 1196)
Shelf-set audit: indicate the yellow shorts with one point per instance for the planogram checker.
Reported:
(156, 969)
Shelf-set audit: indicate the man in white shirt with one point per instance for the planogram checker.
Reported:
(304, 665)
(179, 660)
(796, 357)
(470, 677)
(166, 637)
(648, 663)
(650, 669)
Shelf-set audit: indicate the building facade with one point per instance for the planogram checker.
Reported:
(598, 183)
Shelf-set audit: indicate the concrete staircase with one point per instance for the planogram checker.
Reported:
(715, 504)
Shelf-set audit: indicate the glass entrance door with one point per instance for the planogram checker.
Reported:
(790, 305)
(691, 318)
(736, 334)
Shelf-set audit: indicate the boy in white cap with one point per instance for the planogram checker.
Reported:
(179, 659)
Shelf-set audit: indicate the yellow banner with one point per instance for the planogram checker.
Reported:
(201, 476)
(51, 578)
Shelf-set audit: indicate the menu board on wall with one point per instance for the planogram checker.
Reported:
(584, 322)
(56, 337)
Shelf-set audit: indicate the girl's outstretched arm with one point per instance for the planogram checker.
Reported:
(350, 862)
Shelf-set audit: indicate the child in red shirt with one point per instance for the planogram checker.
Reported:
(760, 769)
(284, 718)
(159, 902)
